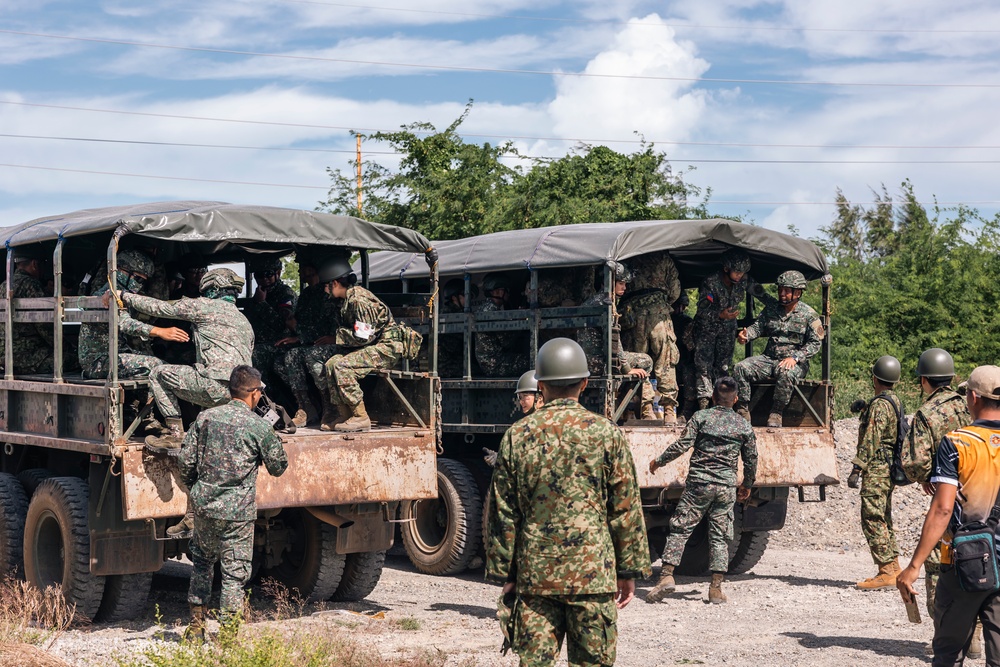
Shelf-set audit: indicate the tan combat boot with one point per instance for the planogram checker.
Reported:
(333, 413)
(885, 578)
(196, 630)
(358, 420)
(183, 529)
(664, 585)
(647, 411)
(715, 594)
(774, 420)
(975, 651)
(172, 441)
(306, 413)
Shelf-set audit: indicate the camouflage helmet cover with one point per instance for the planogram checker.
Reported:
(936, 364)
(134, 261)
(792, 279)
(621, 272)
(735, 259)
(493, 281)
(527, 383)
(221, 279)
(887, 369)
(561, 359)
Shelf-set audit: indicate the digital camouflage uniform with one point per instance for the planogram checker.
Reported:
(876, 440)
(223, 339)
(942, 412)
(646, 321)
(134, 359)
(499, 354)
(798, 334)
(32, 341)
(719, 437)
(565, 523)
(267, 318)
(315, 317)
(451, 347)
(218, 462)
(686, 376)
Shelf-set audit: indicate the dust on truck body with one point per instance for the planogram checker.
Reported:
(444, 534)
(83, 505)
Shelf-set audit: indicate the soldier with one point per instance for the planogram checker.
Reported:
(273, 304)
(795, 334)
(646, 323)
(451, 346)
(527, 395)
(134, 268)
(32, 341)
(592, 341)
(368, 339)
(686, 377)
(565, 529)
(498, 354)
(943, 411)
(218, 463)
(719, 437)
(877, 433)
(223, 340)
(193, 267)
(719, 299)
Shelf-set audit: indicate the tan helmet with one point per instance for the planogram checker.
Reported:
(221, 279)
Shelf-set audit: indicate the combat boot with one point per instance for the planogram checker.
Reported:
(742, 411)
(333, 413)
(196, 630)
(170, 442)
(669, 416)
(715, 594)
(306, 413)
(664, 585)
(182, 530)
(647, 411)
(358, 420)
(885, 578)
(704, 403)
(774, 420)
(975, 651)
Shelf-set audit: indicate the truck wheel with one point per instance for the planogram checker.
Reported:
(745, 550)
(124, 597)
(361, 574)
(13, 509)
(311, 564)
(57, 543)
(444, 533)
(32, 477)
(749, 549)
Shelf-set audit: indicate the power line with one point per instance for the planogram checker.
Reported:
(496, 70)
(191, 145)
(165, 178)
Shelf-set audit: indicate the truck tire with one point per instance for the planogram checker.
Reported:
(445, 533)
(745, 550)
(13, 510)
(311, 566)
(32, 477)
(57, 544)
(361, 574)
(124, 597)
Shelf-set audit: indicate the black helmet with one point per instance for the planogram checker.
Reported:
(792, 279)
(936, 364)
(527, 384)
(735, 259)
(561, 359)
(492, 281)
(265, 265)
(25, 253)
(456, 287)
(333, 268)
(887, 369)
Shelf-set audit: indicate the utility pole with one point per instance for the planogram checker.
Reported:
(359, 175)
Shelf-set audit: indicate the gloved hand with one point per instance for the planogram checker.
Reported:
(854, 479)
(490, 457)
(858, 405)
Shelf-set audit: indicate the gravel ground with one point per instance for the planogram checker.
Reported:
(798, 606)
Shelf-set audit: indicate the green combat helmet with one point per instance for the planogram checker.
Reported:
(221, 279)
(495, 281)
(792, 279)
(333, 268)
(887, 369)
(735, 259)
(527, 384)
(936, 364)
(562, 362)
(135, 261)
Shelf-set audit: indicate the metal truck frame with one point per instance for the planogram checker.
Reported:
(444, 537)
(84, 506)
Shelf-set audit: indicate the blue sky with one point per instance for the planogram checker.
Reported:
(96, 97)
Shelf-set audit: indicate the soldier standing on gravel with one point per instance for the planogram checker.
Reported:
(877, 435)
(720, 438)
(565, 529)
(218, 463)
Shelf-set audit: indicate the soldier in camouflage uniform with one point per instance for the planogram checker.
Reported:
(32, 341)
(686, 376)
(451, 346)
(565, 530)
(877, 432)
(942, 412)
(592, 341)
(719, 437)
(223, 339)
(647, 326)
(499, 354)
(795, 334)
(218, 463)
(273, 304)
(368, 339)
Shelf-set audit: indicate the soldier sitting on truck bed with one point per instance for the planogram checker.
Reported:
(451, 347)
(32, 341)
(272, 305)
(500, 354)
(686, 377)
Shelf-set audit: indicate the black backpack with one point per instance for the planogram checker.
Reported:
(896, 472)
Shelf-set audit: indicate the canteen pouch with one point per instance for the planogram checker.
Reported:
(974, 557)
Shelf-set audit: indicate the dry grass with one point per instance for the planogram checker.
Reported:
(31, 616)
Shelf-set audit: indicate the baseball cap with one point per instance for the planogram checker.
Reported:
(985, 381)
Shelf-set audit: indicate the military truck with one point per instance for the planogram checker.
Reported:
(84, 505)
(571, 260)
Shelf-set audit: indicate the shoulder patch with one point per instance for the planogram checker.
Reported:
(995, 440)
(817, 326)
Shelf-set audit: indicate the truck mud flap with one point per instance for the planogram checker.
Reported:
(766, 516)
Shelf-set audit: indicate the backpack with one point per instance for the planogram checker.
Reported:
(274, 414)
(896, 472)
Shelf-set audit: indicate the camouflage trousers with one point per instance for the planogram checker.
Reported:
(932, 570)
(589, 623)
(299, 363)
(660, 345)
(130, 365)
(31, 359)
(505, 364)
(265, 358)
(876, 512)
(172, 384)
(687, 380)
(345, 370)
(755, 369)
(713, 354)
(714, 501)
(229, 543)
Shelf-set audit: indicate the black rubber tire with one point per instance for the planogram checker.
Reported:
(13, 510)
(446, 533)
(745, 550)
(749, 549)
(57, 543)
(32, 477)
(125, 597)
(312, 566)
(361, 574)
